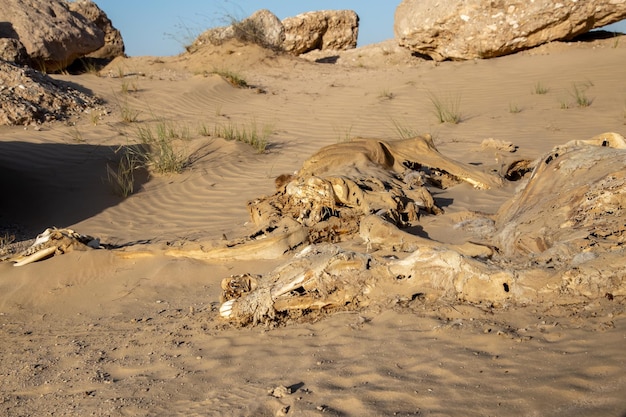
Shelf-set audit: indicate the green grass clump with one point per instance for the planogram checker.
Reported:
(204, 130)
(76, 135)
(343, 135)
(232, 77)
(578, 92)
(386, 94)
(249, 134)
(129, 85)
(160, 152)
(540, 88)
(121, 175)
(404, 131)
(446, 110)
(127, 113)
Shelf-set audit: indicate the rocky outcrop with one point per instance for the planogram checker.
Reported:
(468, 29)
(52, 35)
(262, 28)
(113, 42)
(30, 97)
(320, 30)
(324, 30)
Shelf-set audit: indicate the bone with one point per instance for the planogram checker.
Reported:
(54, 241)
(37, 256)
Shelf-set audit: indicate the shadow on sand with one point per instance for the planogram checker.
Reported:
(58, 185)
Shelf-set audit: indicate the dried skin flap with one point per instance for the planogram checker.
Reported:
(575, 201)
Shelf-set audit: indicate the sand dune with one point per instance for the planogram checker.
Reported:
(91, 333)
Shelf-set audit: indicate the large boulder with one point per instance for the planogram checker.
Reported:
(113, 42)
(262, 28)
(468, 29)
(324, 30)
(52, 35)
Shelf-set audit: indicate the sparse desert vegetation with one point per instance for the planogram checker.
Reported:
(579, 93)
(232, 77)
(249, 133)
(446, 108)
(163, 147)
(540, 88)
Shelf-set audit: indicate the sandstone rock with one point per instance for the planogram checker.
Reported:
(113, 42)
(52, 35)
(12, 50)
(27, 97)
(468, 29)
(324, 30)
(262, 28)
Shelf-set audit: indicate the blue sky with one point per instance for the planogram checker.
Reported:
(162, 27)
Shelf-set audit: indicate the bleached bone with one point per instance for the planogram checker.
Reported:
(269, 244)
(37, 256)
(54, 241)
(314, 272)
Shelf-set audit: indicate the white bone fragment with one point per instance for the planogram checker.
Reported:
(37, 256)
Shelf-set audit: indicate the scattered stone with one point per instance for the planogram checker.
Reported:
(12, 50)
(29, 97)
(280, 391)
(470, 29)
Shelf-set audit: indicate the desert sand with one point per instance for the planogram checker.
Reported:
(92, 333)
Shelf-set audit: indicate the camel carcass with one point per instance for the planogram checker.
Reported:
(560, 238)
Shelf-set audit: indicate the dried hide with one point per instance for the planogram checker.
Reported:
(573, 206)
(357, 157)
(344, 182)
